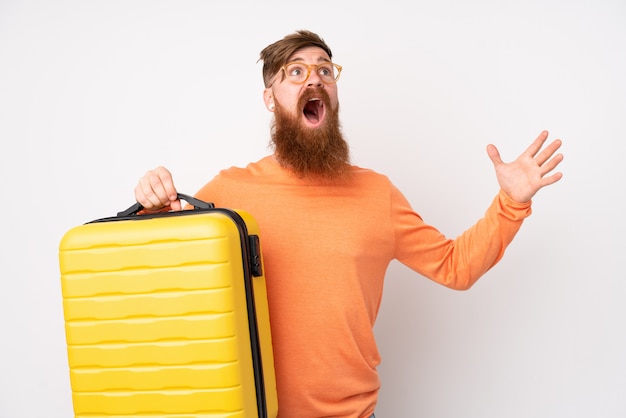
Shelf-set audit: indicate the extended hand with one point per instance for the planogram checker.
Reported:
(522, 178)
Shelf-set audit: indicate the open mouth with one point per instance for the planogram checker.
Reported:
(314, 112)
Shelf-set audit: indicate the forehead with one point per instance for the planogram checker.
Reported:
(310, 54)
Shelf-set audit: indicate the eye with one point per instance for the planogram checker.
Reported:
(326, 71)
(296, 70)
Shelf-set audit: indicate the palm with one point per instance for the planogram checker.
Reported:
(523, 177)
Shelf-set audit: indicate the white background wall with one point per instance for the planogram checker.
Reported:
(94, 93)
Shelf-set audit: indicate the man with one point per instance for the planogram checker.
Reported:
(330, 229)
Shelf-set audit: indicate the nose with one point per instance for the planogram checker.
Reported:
(314, 79)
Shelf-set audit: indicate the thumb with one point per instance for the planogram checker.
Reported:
(176, 205)
(494, 154)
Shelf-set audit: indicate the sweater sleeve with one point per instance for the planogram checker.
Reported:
(455, 263)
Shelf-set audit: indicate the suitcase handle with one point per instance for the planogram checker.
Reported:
(197, 204)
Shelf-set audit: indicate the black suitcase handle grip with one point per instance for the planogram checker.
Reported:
(197, 204)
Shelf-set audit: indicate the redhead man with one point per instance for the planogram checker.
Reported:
(329, 230)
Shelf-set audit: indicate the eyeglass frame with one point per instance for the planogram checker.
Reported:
(308, 71)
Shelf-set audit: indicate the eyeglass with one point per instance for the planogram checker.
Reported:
(298, 72)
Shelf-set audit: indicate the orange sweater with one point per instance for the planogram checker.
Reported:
(326, 250)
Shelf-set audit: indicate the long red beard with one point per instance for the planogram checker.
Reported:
(311, 153)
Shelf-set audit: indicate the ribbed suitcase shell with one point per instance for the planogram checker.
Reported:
(157, 322)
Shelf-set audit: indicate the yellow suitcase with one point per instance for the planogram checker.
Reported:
(166, 315)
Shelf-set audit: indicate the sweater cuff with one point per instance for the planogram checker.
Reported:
(513, 209)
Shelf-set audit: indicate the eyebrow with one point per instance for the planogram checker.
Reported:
(300, 59)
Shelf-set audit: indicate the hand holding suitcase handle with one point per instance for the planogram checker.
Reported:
(197, 204)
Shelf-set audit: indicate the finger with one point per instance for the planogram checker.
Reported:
(167, 183)
(162, 184)
(536, 145)
(548, 152)
(159, 194)
(551, 164)
(546, 181)
(147, 196)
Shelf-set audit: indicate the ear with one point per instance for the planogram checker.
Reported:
(268, 98)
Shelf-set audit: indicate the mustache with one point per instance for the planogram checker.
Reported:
(314, 93)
